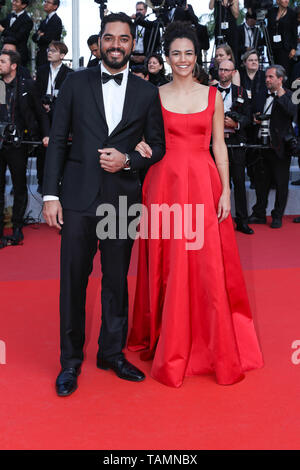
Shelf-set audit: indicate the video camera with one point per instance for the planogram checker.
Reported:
(259, 7)
(9, 134)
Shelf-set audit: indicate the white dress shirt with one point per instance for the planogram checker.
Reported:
(50, 16)
(113, 98)
(249, 36)
(139, 43)
(52, 78)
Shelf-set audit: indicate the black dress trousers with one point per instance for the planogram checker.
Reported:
(79, 245)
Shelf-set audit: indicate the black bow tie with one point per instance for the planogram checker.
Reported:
(105, 77)
(14, 15)
(227, 90)
(271, 94)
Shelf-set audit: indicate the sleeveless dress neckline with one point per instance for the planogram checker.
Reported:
(187, 114)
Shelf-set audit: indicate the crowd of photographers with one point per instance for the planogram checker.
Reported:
(259, 109)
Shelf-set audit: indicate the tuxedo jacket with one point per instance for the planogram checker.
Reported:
(41, 83)
(287, 28)
(20, 31)
(27, 112)
(76, 176)
(242, 108)
(53, 31)
(282, 115)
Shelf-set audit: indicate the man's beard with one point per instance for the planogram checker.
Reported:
(114, 64)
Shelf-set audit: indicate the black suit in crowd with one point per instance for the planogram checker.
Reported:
(52, 30)
(41, 84)
(93, 63)
(237, 156)
(256, 39)
(286, 27)
(42, 78)
(20, 31)
(80, 182)
(21, 110)
(224, 15)
(255, 88)
(151, 41)
(275, 162)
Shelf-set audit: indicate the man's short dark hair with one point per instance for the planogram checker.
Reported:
(14, 56)
(25, 2)
(9, 40)
(56, 2)
(93, 39)
(140, 69)
(142, 3)
(59, 46)
(118, 17)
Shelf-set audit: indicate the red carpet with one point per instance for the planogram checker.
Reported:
(261, 412)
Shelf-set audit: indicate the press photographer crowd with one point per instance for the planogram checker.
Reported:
(254, 64)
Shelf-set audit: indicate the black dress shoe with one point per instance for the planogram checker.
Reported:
(3, 242)
(244, 228)
(276, 223)
(124, 369)
(296, 183)
(253, 219)
(66, 382)
(17, 236)
(296, 220)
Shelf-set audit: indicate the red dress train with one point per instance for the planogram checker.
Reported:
(191, 310)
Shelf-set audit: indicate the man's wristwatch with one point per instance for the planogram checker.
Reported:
(127, 162)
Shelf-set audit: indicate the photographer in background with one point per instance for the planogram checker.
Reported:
(275, 113)
(237, 118)
(283, 32)
(226, 13)
(143, 34)
(49, 80)
(50, 29)
(17, 111)
(18, 25)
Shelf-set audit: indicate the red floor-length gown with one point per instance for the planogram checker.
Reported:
(191, 310)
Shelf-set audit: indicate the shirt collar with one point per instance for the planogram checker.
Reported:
(51, 14)
(55, 70)
(20, 13)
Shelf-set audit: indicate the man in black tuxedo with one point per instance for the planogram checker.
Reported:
(237, 118)
(109, 111)
(18, 110)
(18, 25)
(49, 30)
(49, 79)
(275, 162)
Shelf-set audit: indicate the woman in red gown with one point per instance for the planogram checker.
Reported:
(191, 310)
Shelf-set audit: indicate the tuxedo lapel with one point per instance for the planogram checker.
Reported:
(96, 86)
(128, 103)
